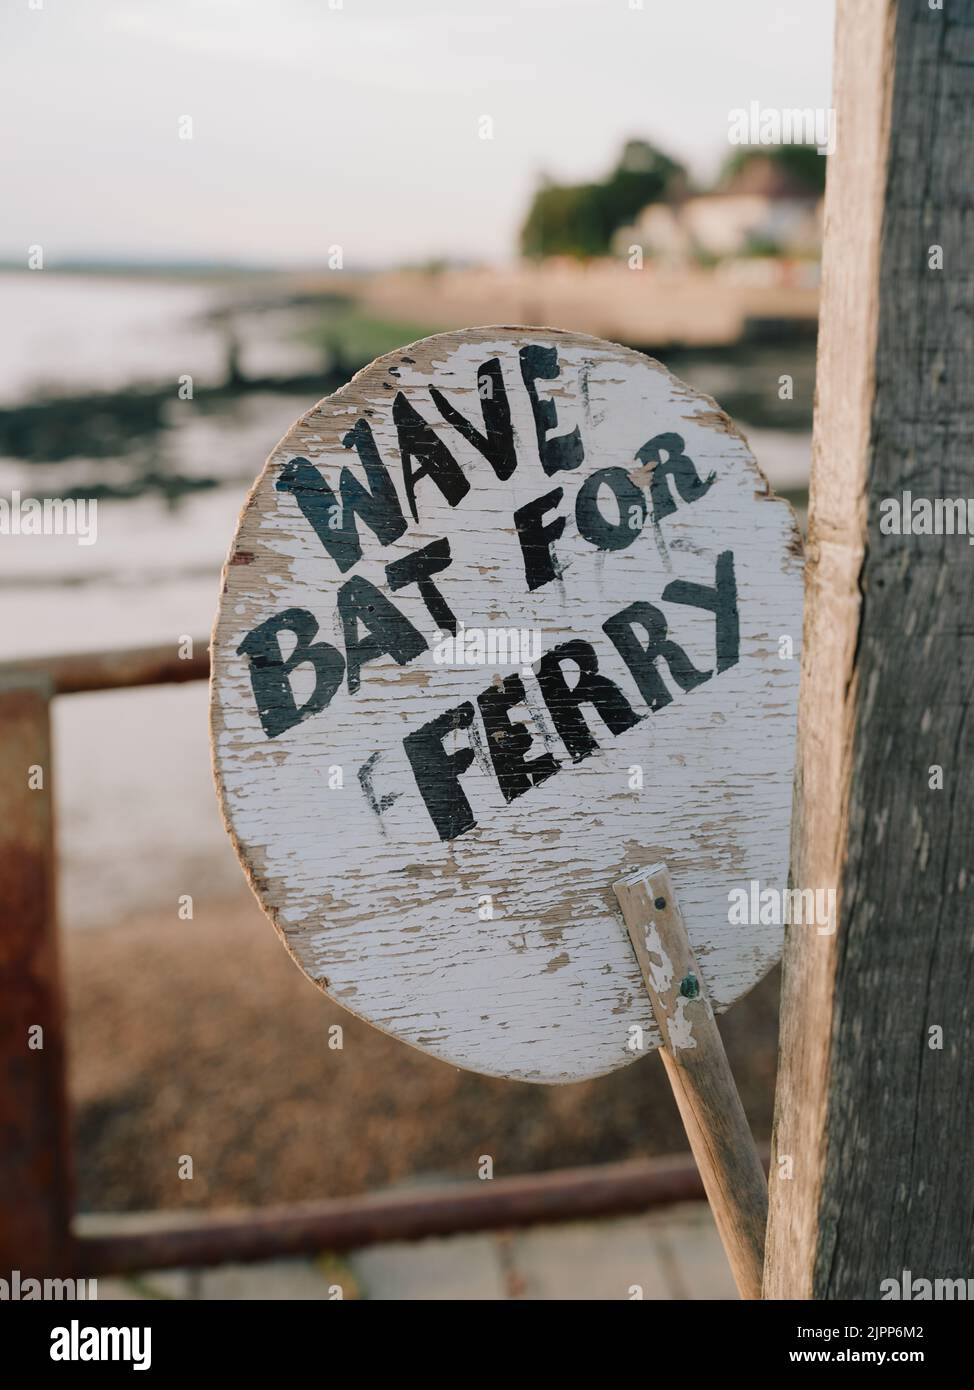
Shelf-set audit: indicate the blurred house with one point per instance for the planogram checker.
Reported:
(762, 208)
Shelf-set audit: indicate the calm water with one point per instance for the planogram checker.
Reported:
(137, 817)
(138, 824)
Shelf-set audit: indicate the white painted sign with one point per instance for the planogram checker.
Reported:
(507, 617)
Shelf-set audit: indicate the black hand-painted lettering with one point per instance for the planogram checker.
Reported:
(537, 538)
(333, 519)
(419, 440)
(438, 772)
(379, 804)
(721, 600)
(497, 444)
(388, 630)
(641, 658)
(682, 470)
(593, 525)
(508, 741)
(270, 673)
(564, 701)
(417, 568)
(562, 451)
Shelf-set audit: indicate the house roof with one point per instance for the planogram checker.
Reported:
(760, 176)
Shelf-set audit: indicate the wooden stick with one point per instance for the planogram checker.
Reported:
(696, 1064)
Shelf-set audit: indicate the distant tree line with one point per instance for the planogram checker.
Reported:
(581, 219)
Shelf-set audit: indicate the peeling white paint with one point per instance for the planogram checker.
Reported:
(380, 907)
(680, 1027)
(660, 965)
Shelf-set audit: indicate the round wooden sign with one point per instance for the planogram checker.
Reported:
(510, 615)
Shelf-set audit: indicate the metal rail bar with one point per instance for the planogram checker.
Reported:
(78, 673)
(36, 1234)
(573, 1194)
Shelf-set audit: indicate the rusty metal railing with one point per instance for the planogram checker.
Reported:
(38, 1233)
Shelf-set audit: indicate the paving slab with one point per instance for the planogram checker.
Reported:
(589, 1260)
(158, 1283)
(458, 1268)
(670, 1254)
(690, 1248)
(303, 1280)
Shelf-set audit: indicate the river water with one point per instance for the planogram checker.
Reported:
(138, 824)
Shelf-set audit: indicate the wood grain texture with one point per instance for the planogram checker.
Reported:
(699, 1072)
(375, 907)
(35, 1129)
(877, 1125)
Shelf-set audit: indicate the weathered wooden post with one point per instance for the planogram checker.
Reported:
(35, 1198)
(871, 1170)
(698, 1070)
(509, 621)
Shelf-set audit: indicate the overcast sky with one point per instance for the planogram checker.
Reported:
(359, 125)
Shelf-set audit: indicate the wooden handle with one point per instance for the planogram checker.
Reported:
(696, 1064)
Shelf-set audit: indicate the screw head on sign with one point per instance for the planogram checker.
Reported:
(690, 986)
(659, 904)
